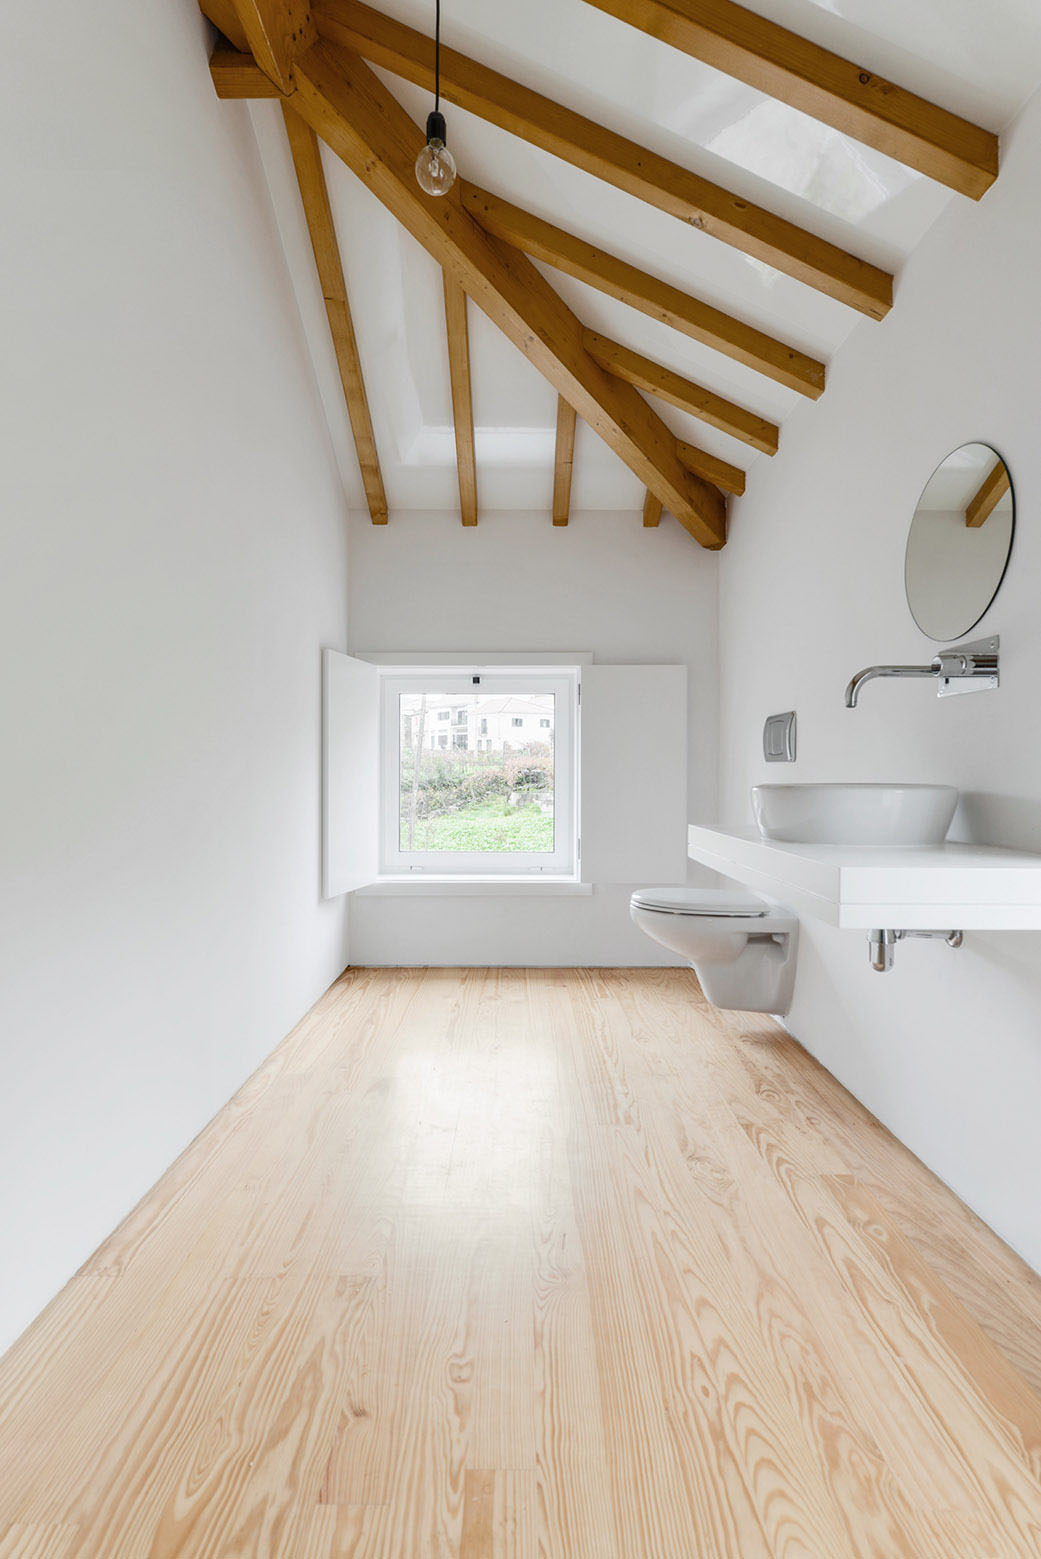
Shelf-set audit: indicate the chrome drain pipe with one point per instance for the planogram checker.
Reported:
(882, 944)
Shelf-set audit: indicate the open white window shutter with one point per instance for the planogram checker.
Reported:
(634, 774)
(350, 773)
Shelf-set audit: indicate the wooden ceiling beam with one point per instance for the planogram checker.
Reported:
(347, 105)
(651, 512)
(237, 75)
(307, 161)
(274, 31)
(609, 156)
(728, 478)
(989, 494)
(563, 462)
(684, 394)
(462, 398)
(659, 299)
(225, 18)
(834, 90)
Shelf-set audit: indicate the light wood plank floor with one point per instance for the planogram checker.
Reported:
(506, 1264)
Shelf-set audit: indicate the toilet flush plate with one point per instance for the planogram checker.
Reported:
(779, 738)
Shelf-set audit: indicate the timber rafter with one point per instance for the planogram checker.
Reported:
(307, 161)
(458, 331)
(608, 155)
(313, 54)
(837, 91)
(352, 111)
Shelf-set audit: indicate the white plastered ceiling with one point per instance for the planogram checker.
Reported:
(979, 61)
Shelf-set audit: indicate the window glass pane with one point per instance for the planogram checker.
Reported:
(492, 789)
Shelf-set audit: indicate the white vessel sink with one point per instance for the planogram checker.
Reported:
(911, 816)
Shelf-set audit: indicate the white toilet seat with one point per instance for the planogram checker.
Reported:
(713, 902)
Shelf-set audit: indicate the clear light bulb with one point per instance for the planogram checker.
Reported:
(435, 165)
(435, 168)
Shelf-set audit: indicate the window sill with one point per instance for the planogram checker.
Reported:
(530, 886)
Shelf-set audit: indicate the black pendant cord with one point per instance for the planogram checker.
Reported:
(436, 130)
(437, 55)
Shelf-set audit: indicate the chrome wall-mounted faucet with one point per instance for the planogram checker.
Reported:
(971, 668)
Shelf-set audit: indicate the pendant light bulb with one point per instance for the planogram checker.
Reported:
(435, 165)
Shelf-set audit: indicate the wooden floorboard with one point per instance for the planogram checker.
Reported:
(533, 1264)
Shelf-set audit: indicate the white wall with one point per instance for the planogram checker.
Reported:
(947, 1048)
(174, 555)
(602, 584)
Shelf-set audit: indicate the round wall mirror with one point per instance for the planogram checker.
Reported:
(959, 542)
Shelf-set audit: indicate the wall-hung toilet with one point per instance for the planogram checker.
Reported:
(742, 947)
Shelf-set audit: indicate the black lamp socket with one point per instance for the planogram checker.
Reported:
(437, 130)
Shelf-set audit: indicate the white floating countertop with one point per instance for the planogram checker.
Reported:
(967, 887)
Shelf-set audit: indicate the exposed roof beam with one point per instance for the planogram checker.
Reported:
(462, 400)
(563, 461)
(276, 31)
(683, 393)
(350, 109)
(609, 156)
(647, 293)
(237, 75)
(989, 494)
(313, 192)
(824, 85)
(730, 479)
(651, 512)
(225, 18)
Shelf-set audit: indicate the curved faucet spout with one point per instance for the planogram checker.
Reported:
(934, 669)
(971, 666)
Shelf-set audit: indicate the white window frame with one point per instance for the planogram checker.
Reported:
(562, 862)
